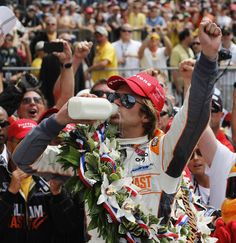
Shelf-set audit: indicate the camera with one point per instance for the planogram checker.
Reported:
(50, 47)
(224, 54)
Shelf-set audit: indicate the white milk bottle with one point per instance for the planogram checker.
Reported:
(86, 108)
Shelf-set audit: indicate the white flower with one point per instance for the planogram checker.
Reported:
(108, 192)
(115, 155)
(127, 210)
(103, 149)
(109, 148)
(210, 240)
(113, 144)
(202, 222)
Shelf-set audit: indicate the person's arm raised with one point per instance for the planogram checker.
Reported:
(192, 119)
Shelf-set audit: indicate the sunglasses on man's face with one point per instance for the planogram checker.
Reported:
(29, 100)
(196, 43)
(163, 113)
(4, 123)
(127, 100)
(128, 31)
(100, 93)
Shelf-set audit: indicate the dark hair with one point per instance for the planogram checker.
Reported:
(183, 34)
(97, 15)
(39, 92)
(98, 82)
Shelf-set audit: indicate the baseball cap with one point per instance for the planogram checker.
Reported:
(226, 30)
(154, 36)
(31, 8)
(39, 46)
(20, 128)
(101, 30)
(216, 102)
(141, 84)
(89, 10)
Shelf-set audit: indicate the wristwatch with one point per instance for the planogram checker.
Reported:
(67, 65)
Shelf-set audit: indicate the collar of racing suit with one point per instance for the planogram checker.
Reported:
(127, 141)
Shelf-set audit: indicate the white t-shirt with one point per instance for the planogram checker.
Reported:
(158, 60)
(223, 20)
(129, 51)
(218, 173)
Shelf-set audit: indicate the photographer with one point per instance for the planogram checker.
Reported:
(227, 57)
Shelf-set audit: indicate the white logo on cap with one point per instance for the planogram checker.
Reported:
(143, 80)
(26, 125)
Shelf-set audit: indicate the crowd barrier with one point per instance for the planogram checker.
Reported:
(224, 84)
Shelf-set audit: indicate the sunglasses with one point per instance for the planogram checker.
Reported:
(29, 100)
(129, 31)
(127, 100)
(163, 113)
(196, 43)
(50, 24)
(215, 110)
(4, 123)
(100, 93)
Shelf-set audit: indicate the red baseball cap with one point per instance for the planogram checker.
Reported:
(141, 84)
(20, 128)
(89, 10)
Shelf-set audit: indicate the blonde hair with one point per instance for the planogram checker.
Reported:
(150, 111)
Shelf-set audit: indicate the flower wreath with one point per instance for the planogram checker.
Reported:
(113, 200)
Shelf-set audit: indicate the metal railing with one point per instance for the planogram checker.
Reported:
(225, 83)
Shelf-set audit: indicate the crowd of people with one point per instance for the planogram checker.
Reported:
(121, 51)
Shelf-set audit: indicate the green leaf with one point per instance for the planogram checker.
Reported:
(91, 144)
(72, 156)
(114, 177)
(92, 160)
(93, 224)
(122, 230)
(97, 190)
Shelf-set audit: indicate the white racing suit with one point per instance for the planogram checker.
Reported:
(156, 165)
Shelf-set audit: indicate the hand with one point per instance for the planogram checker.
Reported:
(152, 72)
(17, 176)
(24, 41)
(62, 116)
(146, 41)
(122, 61)
(186, 70)
(210, 38)
(55, 186)
(66, 55)
(82, 49)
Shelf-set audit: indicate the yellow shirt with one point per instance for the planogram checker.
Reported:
(174, 29)
(37, 63)
(179, 53)
(137, 22)
(25, 186)
(52, 37)
(105, 52)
